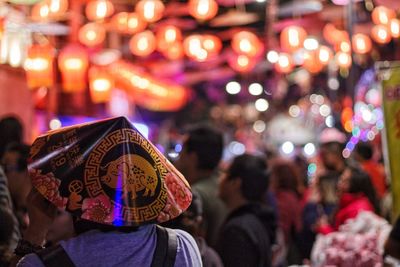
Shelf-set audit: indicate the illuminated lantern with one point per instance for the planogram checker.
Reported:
(128, 23)
(380, 34)
(311, 62)
(168, 36)
(361, 43)
(334, 36)
(344, 46)
(193, 47)
(100, 84)
(324, 54)
(343, 59)
(395, 28)
(39, 66)
(292, 38)
(143, 44)
(73, 62)
(150, 10)
(92, 34)
(212, 44)
(203, 9)
(174, 52)
(246, 43)
(57, 7)
(241, 63)
(284, 64)
(99, 9)
(382, 15)
(40, 11)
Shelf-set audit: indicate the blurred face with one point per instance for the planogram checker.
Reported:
(227, 187)
(344, 182)
(328, 158)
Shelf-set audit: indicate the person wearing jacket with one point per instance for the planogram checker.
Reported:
(247, 235)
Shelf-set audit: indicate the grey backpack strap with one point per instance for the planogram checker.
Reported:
(166, 247)
(55, 256)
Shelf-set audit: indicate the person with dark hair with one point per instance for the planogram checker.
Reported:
(364, 155)
(198, 161)
(356, 193)
(332, 157)
(247, 235)
(11, 130)
(190, 221)
(6, 232)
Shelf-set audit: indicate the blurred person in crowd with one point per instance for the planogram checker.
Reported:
(285, 185)
(6, 232)
(356, 193)
(119, 226)
(392, 244)
(15, 161)
(190, 221)
(331, 156)
(60, 229)
(11, 130)
(248, 233)
(322, 201)
(364, 155)
(198, 161)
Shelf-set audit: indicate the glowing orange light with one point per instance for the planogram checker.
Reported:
(99, 9)
(380, 34)
(143, 44)
(128, 23)
(292, 38)
(167, 36)
(39, 66)
(150, 10)
(242, 63)
(311, 62)
(174, 52)
(324, 54)
(92, 34)
(343, 59)
(382, 15)
(100, 84)
(203, 9)
(361, 43)
(395, 28)
(284, 64)
(246, 43)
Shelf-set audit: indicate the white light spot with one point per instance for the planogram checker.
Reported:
(330, 121)
(236, 148)
(287, 147)
(324, 110)
(333, 83)
(294, 111)
(272, 56)
(55, 124)
(261, 104)
(256, 89)
(233, 88)
(311, 44)
(309, 149)
(259, 126)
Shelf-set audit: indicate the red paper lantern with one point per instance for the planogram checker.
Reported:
(203, 9)
(333, 35)
(193, 47)
(128, 23)
(73, 62)
(39, 66)
(167, 36)
(246, 43)
(395, 28)
(324, 54)
(382, 15)
(311, 62)
(99, 9)
(40, 11)
(381, 34)
(174, 52)
(92, 34)
(100, 84)
(212, 44)
(343, 59)
(361, 43)
(150, 10)
(143, 44)
(284, 64)
(242, 63)
(292, 38)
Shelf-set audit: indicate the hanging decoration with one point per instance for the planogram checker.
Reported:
(168, 36)
(150, 10)
(242, 63)
(246, 43)
(143, 44)
(99, 9)
(382, 15)
(380, 34)
(284, 64)
(92, 34)
(395, 28)
(324, 54)
(311, 62)
(203, 9)
(292, 38)
(73, 63)
(39, 66)
(128, 23)
(100, 84)
(361, 43)
(343, 59)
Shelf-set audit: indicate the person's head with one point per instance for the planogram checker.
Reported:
(11, 130)
(355, 181)
(284, 176)
(246, 179)
(14, 162)
(327, 185)
(202, 151)
(364, 151)
(331, 156)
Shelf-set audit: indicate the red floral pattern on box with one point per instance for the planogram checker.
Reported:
(98, 209)
(47, 185)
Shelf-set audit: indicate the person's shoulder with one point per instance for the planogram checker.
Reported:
(30, 260)
(188, 253)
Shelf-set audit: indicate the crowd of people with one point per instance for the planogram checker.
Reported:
(255, 210)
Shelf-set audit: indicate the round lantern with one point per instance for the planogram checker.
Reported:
(334, 36)
(212, 44)
(168, 36)
(128, 23)
(292, 38)
(242, 63)
(246, 43)
(395, 28)
(324, 54)
(73, 62)
(174, 52)
(380, 34)
(143, 44)
(382, 15)
(203, 9)
(311, 62)
(284, 64)
(361, 43)
(100, 84)
(99, 9)
(193, 46)
(57, 7)
(150, 10)
(40, 11)
(343, 59)
(39, 66)
(92, 34)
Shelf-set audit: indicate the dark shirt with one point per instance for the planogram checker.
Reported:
(247, 235)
